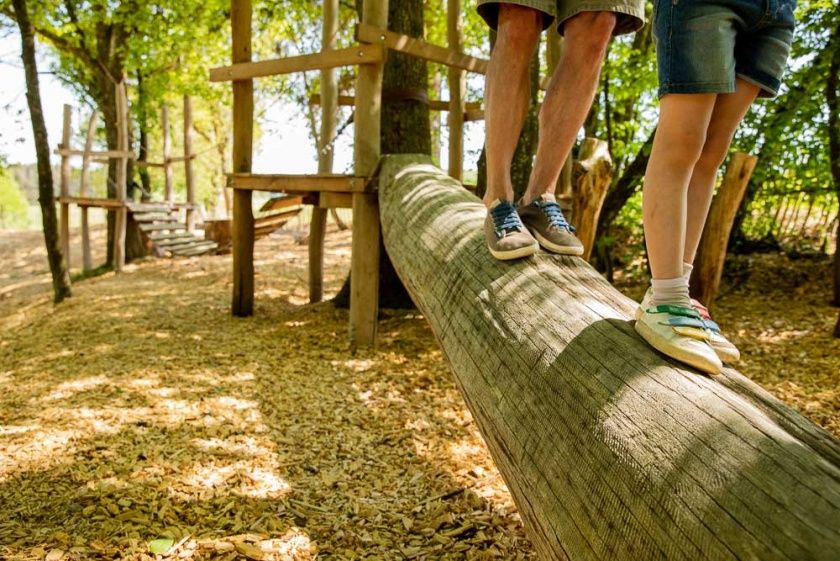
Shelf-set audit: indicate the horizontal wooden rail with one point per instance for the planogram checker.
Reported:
(298, 183)
(91, 202)
(420, 49)
(360, 54)
(95, 153)
(434, 104)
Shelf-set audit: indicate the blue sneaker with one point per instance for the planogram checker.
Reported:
(507, 238)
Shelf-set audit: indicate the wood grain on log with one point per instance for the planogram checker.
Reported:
(611, 450)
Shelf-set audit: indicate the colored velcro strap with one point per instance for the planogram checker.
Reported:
(685, 322)
(680, 311)
(693, 332)
(712, 325)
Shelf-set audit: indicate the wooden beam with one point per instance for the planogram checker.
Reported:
(64, 214)
(243, 134)
(87, 259)
(457, 89)
(434, 104)
(378, 35)
(364, 263)
(168, 179)
(188, 157)
(121, 213)
(335, 200)
(360, 54)
(142, 164)
(610, 450)
(292, 183)
(91, 202)
(97, 154)
(329, 115)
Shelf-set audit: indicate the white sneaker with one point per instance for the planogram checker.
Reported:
(680, 333)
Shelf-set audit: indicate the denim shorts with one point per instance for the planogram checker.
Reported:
(703, 45)
(630, 14)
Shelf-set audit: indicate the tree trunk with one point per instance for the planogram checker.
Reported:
(46, 198)
(711, 254)
(831, 95)
(611, 451)
(406, 128)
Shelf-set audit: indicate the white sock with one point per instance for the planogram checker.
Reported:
(670, 291)
(687, 268)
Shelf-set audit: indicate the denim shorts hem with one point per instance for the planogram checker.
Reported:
(696, 88)
(768, 87)
(629, 18)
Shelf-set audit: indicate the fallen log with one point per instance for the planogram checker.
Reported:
(611, 451)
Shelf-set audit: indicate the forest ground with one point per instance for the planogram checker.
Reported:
(140, 409)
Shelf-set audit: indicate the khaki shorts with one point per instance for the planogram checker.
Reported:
(631, 13)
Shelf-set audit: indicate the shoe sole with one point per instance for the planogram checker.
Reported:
(725, 354)
(655, 341)
(554, 248)
(512, 254)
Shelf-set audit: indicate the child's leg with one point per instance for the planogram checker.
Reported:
(677, 146)
(728, 112)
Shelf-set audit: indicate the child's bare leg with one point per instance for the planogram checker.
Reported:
(677, 146)
(727, 115)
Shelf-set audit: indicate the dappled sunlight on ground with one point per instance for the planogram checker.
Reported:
(140, 409)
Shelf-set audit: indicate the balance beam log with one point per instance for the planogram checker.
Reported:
(611, 451)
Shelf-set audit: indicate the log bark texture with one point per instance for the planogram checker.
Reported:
(611, 451)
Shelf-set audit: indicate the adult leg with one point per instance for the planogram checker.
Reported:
(507, 91)
(727, 115)
(677, 146)
(569, 96)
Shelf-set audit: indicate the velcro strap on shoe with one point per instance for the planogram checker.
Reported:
(692, 332)
(680, 311)
(685, 322)
(711, 324)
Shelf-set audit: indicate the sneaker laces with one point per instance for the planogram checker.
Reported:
(555, 215)
(505, 218)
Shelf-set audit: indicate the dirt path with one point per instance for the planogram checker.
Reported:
(140, 409)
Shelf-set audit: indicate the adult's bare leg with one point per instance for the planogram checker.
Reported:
(507, 91)
(569, 96)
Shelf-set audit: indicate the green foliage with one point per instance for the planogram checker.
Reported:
(14, 210)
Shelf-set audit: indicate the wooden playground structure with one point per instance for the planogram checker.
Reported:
(610, 450)
(159, 221)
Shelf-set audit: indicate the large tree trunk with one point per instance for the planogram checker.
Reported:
(406, 128)
(46, 198)
(610, 450)
(831, 94)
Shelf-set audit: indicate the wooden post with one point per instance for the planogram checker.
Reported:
(590, 190)
(167, 154)
(364, 266)
(708, 266)
(329, 110)
(87, 260)
(243, 129)
(188, 169)
(457, 88)
(64, 215)
(121, 213)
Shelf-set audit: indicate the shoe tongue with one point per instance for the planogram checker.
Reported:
(496, 203)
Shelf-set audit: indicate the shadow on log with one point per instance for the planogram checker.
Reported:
(611, 451)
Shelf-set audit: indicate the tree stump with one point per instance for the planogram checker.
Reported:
(593, 178)
(708, 266)
(610, 450)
